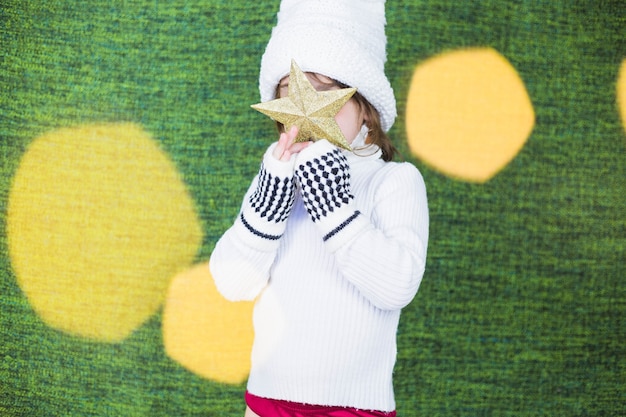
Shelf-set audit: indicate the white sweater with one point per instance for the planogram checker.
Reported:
(327, 312)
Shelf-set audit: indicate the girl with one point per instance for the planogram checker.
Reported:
(331, 243)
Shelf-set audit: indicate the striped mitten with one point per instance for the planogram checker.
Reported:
(266, 208)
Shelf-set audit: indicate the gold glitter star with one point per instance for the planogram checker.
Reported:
(313, 112)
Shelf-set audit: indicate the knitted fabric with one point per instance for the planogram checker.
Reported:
(324, 179)
(327, 311)
(274, 197)
(268, 206)
(344, 40)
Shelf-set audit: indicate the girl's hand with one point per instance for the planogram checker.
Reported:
(286, 146)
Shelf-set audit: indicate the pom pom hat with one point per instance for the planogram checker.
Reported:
(341, 39)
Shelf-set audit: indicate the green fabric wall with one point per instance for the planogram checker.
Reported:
(521, 310)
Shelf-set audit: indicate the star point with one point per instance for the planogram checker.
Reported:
(312, 111)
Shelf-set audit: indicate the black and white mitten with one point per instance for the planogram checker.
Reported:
(266, 207)
(324, 177)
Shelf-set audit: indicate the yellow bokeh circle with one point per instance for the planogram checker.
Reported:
(468, 113)
(98, 223)
(621, 92)
(204, 332)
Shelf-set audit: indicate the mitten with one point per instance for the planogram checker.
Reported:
(267, 205)
(324, 177)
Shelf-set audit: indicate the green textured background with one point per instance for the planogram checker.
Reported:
(521, 311)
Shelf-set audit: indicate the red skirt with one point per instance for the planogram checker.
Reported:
(266, 407)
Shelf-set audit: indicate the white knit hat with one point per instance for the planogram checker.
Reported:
(341, 39)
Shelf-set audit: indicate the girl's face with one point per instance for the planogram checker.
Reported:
(350, 117)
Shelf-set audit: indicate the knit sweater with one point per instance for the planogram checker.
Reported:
(328, 304)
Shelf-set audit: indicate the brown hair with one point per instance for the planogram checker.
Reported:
(375, 135)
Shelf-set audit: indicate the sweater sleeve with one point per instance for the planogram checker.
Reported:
(242, 257)
(386, 258)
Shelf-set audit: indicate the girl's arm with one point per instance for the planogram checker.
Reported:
(238, 266)
(242, 258)
(383, 255)
(386, 257)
